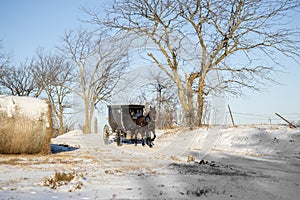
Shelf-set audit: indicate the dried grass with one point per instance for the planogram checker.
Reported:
(62, 178)
(20, 134)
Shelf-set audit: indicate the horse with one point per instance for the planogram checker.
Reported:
(151, 124)
(146, 125)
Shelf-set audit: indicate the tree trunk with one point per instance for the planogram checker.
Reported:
(159, 109)
(92, 108)
(87, 126)
(96, 125)
(200, 101)
(60, 119)
(182, 97)
(190, 112)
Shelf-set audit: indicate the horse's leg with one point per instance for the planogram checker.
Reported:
(148, 137)
(154, 135)
(119, 139)
(135, 136)
(132, 133)
(143, 140)
(149, 142)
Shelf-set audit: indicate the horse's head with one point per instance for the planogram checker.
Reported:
(150, 116)
(152, 113)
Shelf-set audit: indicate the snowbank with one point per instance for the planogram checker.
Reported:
(251, 140)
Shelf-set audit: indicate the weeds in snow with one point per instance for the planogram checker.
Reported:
(62, 178)
(202, 191)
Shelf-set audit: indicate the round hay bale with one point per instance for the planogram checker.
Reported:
(25, 125)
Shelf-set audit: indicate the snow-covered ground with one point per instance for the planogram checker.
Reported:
(247, 162)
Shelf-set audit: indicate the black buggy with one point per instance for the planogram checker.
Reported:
(127, 122)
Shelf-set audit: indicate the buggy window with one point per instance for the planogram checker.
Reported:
(135, 112)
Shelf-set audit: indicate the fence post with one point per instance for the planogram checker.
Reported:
(290, 124)
(231, 115)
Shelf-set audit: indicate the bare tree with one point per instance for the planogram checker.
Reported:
(4, 61)
(44, 74)
(101, 62)
(29, 78)
(45, 68)
(56, 76)
(19, 81)
(165, 100)
(196, 38)
(158, 91)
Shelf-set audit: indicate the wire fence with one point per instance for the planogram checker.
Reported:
(250, 118)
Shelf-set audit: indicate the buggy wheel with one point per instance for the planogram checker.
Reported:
(106, 135)
(119, 139)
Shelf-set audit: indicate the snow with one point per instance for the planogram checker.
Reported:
(33, 108)
(246, 162)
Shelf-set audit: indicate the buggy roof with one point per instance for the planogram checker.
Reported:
(126, 106)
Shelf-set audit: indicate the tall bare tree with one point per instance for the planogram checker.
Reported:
(196, 38)
(100, 61)
(56, 76)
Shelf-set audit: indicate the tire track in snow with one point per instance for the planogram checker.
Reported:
(208, 143)
(139, 157)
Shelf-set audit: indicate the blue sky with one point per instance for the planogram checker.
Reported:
(28, 24)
